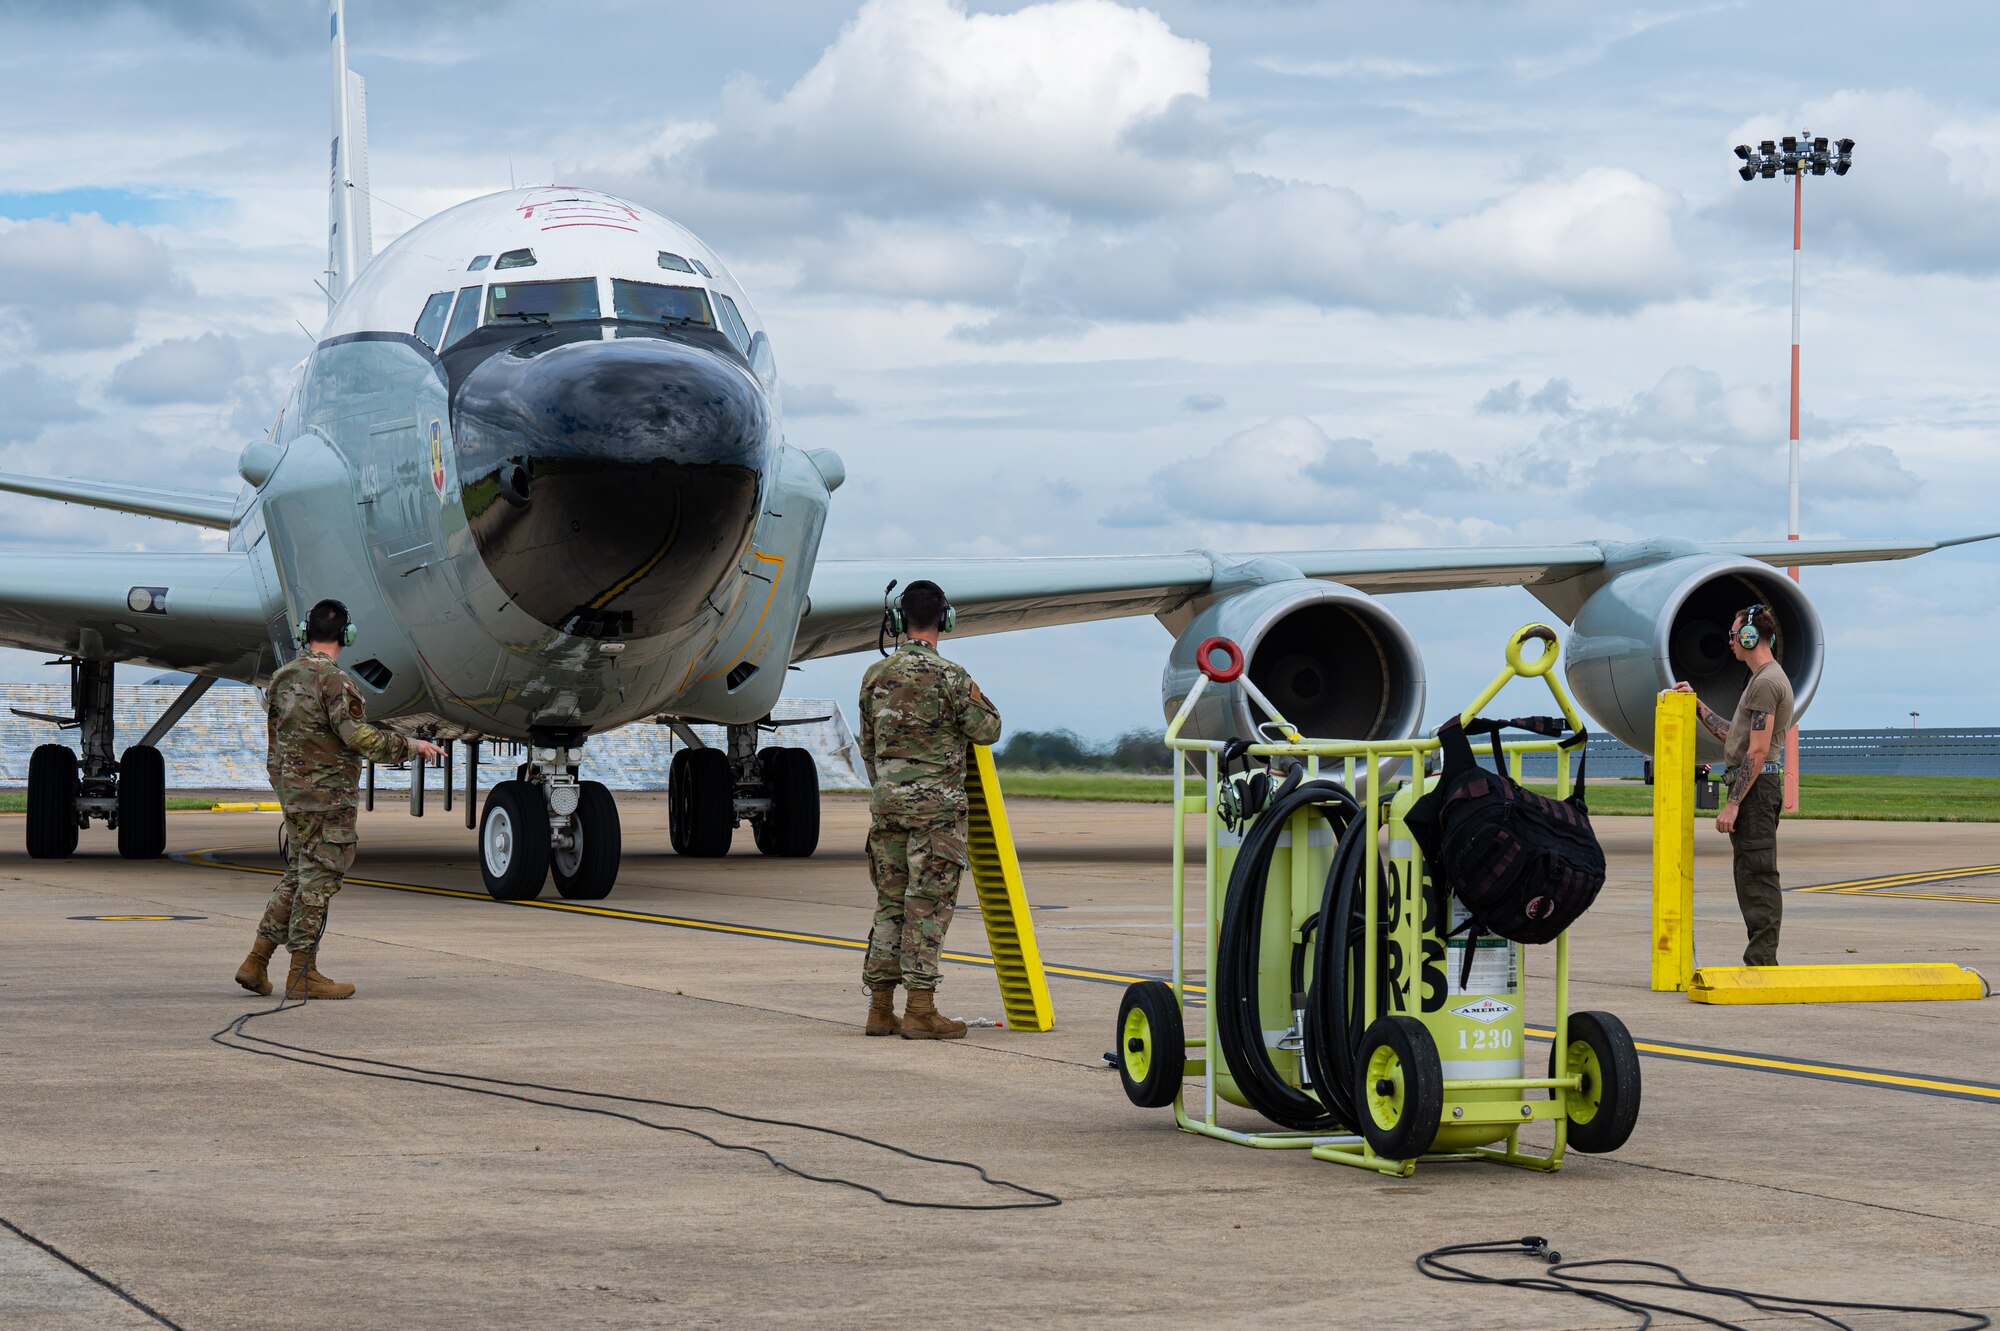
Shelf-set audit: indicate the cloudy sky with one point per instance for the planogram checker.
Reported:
(1085, 277)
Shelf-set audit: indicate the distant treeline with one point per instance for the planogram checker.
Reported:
(1064, 750)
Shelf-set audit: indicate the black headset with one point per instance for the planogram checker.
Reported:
(1748, 636)
(893, 623)
(347, 629)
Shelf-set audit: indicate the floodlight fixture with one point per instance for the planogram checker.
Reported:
(1747, 171)
(1743, 151)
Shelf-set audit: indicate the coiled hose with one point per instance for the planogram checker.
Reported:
(1236, 1011)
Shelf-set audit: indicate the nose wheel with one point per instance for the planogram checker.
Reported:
(521, 845)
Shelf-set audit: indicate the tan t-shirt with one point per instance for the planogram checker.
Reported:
(1768, 692)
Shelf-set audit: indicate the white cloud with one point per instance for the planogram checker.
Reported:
(817, 400)
(31, 399)
(924, 262)
(1083, 104)
(79, 283)
(181, 369)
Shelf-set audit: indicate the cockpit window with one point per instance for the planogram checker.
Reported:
(430, 324)
(541, 302)
(653, 303)
(674, 263)
(732, 323)
(465, 318)
(479, 263)
(702, 268)
(516, 259)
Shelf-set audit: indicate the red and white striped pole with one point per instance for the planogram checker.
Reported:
(1801, 154)
(1798, 215)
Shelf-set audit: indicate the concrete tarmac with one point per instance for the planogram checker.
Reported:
(1835, 1151)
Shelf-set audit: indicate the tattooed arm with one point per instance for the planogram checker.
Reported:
(1714, 722)
(1753, 761)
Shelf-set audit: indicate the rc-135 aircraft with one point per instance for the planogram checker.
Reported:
(537, 450)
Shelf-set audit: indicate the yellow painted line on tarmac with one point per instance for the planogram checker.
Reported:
(1859, 886)
(1884, 1078)
(205, 858)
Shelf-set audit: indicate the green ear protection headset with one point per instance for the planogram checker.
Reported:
(1748, 637)
(347, 629)
(893, 624)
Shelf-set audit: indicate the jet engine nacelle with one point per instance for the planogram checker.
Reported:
(1649, 627)
(1333, 661)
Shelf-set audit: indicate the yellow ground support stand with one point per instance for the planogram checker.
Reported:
(1673, 842)
(1003, 901)
(1673, 908)
(1858, 983)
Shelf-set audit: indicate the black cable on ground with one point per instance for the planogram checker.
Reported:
(422, 1076)
(1559, 1277)
(1235, 1004)
(79, 1267)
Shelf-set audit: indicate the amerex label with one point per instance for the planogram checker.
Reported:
(1488, 1010)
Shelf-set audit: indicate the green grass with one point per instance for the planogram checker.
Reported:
(1909, 799)
(16, 801)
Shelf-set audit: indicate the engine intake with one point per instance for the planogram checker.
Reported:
(1647, 628)
(1334, 661)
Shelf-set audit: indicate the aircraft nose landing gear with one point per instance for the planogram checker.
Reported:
(546, 820)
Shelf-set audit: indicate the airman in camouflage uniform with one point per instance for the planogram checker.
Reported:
(316, 736)
(919, 712)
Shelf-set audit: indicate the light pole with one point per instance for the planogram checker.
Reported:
(1913, 721)
(1795, 155)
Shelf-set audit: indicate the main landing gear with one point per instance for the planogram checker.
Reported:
(547, 823)
(128, 791)
(711, 792)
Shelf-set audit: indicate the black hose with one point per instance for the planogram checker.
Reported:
(1236, 1009)
(1333, 1008)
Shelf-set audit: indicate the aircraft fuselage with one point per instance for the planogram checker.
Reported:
(537, 451)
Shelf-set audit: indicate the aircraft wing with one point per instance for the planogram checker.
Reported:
(1000, 595)
(201, 610)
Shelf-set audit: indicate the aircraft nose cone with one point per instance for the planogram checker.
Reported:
(610, 485)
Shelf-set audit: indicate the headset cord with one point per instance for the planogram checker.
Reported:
(425, 1075)
(1559, 1277)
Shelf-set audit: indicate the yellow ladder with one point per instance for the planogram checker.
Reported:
(1003, 901)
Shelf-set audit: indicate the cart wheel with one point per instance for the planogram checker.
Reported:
(1603, 1109)
(1152, 1044)
(1401, 1091)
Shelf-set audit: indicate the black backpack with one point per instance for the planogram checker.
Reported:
(1526, 866)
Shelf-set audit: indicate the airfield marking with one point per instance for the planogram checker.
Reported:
(1871, 886)
(1985, 1092)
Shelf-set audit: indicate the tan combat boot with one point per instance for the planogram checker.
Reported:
(922, 1020)
(882, 1011)
(252, 974)
(305, 981)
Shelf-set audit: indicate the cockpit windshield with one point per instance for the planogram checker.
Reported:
(541, 302)
(649, 302)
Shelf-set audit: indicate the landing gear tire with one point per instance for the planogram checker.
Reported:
(1152, 1045)
(1400, 1088)
(514, 842)
(790, 827)
(142, 803)
(587, 868)
(1603, 1110)
(678, 782)
(704, 810)
(52, 786)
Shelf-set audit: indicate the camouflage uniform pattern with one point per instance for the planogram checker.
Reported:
(919, 714)
(315, 739)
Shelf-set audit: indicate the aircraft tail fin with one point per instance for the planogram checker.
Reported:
(349, 235)
(200, 508)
